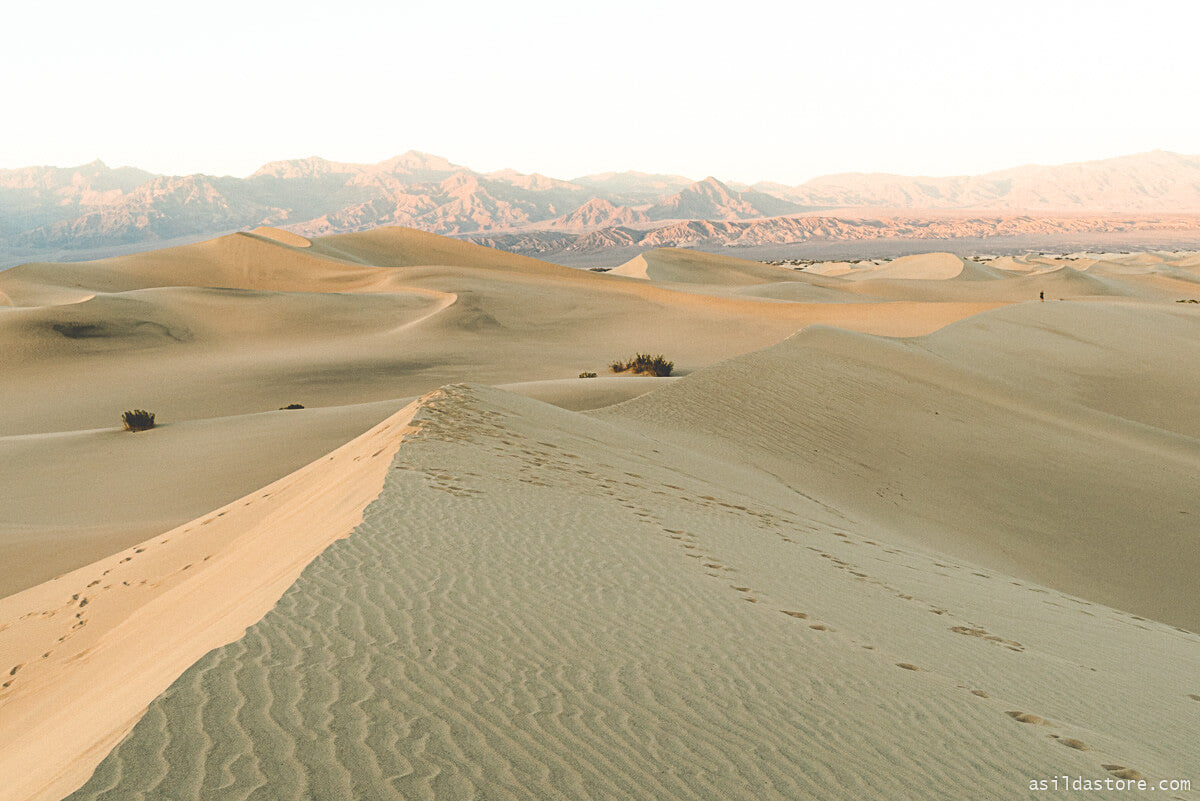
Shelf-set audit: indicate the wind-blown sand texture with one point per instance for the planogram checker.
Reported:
(829, 564)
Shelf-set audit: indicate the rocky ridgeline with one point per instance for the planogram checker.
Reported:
(49, 209)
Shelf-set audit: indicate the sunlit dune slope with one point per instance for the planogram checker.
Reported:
(542, 604)
(1045, 440)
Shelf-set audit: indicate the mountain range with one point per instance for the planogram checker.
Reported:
(93, 206)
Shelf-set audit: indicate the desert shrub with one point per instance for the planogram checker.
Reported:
(586, 374)
(290, 406)
(644, 364)
(138, 420)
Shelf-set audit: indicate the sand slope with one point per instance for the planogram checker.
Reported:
(86, 651)
(78, 496)
(677, 265)
(542, 605)
(242, 325)
(1041, 439)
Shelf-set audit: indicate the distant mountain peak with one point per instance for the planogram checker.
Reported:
(598, 213)
(709, 199)
(311, 167)
(416, 161)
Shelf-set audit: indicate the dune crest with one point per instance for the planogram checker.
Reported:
(87, 651)
(282, 237)
(554, 605)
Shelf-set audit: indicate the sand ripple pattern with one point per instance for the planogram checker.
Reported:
(538, 607)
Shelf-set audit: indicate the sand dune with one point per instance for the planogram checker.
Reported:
(244, 325)
(970, 442)
(1061, 283)
(712, 274)
(676, 265)
(91, 648)
(924, 266)
(283, 237)
(540, 605)
(903, 534)
(74, 497)
(594, 393)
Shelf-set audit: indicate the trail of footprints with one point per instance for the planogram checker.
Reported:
(77, 605)
(547, 465)
(78, 601)
(1118, 771)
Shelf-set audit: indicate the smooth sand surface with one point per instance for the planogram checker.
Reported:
(923, 266)
(282, 237)
(74, 497)
(594, 393)
(871, 542)
(677, 265)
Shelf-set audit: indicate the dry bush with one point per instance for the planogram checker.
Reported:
(644, 364)
(138, 420)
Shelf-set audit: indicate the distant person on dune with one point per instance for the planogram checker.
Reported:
(1042, 296)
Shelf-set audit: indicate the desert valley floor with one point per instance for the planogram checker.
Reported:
(896, 530)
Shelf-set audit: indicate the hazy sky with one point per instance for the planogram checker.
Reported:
(745, 90)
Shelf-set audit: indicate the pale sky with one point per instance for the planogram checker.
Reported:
(746, 90)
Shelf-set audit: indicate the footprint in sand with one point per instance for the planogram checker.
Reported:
(1194, 697)
(820, 627)
(980, 693)
(1071, 743)
(1026, 717)
(800, 615)
(906, 666)
(983, 634)
(1122, 772)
